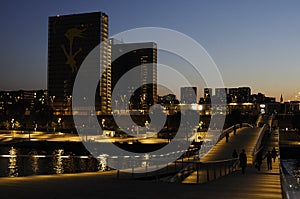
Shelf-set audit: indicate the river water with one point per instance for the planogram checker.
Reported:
(23, 162)
(291, 180)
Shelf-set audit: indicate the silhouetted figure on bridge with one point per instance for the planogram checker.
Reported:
(243, 161)
(227, 137)
(234, 130)
(269, 160)
(274, 154)
(235, 154)
(258, 161)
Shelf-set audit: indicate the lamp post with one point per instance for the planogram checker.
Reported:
(59, 124)
(12, 127)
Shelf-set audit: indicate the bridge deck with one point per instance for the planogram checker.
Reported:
(245, 138)
(254, 184)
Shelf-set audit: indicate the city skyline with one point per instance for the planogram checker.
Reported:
(253, 44)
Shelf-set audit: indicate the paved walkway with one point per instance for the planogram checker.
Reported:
(245, 138)
(254, 184)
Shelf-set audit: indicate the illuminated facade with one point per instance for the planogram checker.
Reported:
(70, 39)
(28, 100)
(126, 57)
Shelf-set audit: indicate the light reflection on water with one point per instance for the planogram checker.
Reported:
(291, 173)
(12, 165)
(23, 162)
(58, 161)
(34, 160)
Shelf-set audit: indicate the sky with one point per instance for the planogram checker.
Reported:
(253, 43)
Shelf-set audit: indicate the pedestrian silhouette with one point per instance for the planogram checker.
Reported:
(227, 136)
(243, 161)
(235, 154)
(258, 161)
(274, 154)
(269, 160)
(234, 129)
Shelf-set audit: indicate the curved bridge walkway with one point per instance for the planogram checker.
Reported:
(254, 184)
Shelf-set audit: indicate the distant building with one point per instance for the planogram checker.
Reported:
(188, 95)
(232, 95)
(261, 99)
(128, 56)
(220, 95)
(168, 99)
(258, 98)
(245, 108)
(170, 103)
(70, 39)
(26, 100)
(291, 107)
(281, 99)
(244, 94)
(207, 95)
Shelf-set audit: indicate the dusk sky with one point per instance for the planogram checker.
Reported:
(254, 43)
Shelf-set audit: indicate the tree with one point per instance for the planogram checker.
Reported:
(235, 117)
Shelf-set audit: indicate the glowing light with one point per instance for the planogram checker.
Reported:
(39, 156)
(84, 157)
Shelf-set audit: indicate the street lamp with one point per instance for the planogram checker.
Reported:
(12, 123)
(12, 127)
(59, 123)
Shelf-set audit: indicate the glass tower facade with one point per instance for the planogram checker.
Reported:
(142, 57)
(70, 39)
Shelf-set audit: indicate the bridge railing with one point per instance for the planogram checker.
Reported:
(230, 129)
(221, 164)
(206, 171)
(258, 144)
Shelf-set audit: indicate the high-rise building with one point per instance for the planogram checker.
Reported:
(207, 95)
(188, 95)
(70, 39)
(141, 60)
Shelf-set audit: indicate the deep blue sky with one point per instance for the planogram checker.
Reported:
(254, 43)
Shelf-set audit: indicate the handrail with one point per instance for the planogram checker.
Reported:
(208, 162)
(191, 165)
(230, 129)
(284, 183)
(257, 145)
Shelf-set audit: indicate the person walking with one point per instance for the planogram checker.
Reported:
(269, 160)
(274, 154)
(243, 161)
(235, 154)
(258, 161)
(227, 137)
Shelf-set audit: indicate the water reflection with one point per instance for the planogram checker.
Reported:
(58, 161)
(23, 162)
(12, 163)
(34, 160)
(102, 166)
